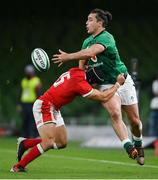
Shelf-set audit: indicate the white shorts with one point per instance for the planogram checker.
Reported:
(45, 113)
(126, 92)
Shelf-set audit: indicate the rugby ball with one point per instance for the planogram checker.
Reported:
(40, 59)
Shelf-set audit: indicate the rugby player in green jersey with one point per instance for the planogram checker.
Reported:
(99, 50)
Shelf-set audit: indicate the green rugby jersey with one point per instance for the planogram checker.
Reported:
(109, 60)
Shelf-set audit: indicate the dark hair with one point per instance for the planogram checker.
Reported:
(104, 16)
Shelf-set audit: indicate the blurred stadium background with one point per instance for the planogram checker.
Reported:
(56, 24)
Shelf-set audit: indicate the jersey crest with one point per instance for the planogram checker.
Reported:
(94, 59)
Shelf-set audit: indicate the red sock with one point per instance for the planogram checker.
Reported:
(28, 143)
(35, 152)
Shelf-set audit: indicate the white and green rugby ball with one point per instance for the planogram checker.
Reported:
(40, 59)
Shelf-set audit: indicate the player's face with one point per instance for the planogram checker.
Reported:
(92, 24)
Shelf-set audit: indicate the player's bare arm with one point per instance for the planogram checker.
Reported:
(82, 64)
(106, 95)
(82, 54)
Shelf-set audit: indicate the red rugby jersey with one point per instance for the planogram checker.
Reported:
(69, 85)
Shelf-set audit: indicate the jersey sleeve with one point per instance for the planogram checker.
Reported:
(85, 43)
(106, 42)
(84, 88)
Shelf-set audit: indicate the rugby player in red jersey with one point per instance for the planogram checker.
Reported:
(49, 122)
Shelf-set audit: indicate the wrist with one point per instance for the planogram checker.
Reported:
(70, 56)
(117, 84)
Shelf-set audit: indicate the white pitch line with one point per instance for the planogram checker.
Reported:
(91, 160)
(102, 161)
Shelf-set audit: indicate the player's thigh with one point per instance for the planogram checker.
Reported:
(47, 131)
(113, 105)
(61, 134)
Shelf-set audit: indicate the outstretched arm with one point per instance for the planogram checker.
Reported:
(82, 54)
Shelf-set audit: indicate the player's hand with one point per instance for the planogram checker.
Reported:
(121, 79)
(60, 58)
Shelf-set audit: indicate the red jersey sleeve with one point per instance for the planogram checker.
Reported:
(84, 88)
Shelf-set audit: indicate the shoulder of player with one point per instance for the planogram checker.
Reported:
(105, 34)
(77, 74)
(76, 70)
(88, 39)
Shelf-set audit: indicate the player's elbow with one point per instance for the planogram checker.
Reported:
(89, 54)
(105, 99)
(92, 54)
(96, 97)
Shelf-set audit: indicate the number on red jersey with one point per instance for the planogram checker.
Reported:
(61, 79)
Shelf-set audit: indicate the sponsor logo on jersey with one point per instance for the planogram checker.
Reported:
(96, 65)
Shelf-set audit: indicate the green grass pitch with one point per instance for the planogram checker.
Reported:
(76, 162)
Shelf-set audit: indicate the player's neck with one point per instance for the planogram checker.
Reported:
(100, 30)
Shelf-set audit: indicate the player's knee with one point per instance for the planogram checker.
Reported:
(115, 114)
(49, 143)
(62, 140)
(62, 144)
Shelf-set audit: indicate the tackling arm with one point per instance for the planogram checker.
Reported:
(106, 95)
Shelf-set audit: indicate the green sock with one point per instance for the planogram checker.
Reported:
(126, 145)
(137, 143)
